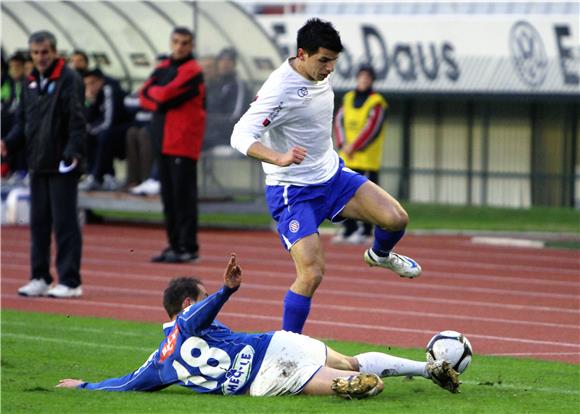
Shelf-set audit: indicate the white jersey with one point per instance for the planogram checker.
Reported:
(290, 111)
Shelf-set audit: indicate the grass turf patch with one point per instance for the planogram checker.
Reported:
(39, 349)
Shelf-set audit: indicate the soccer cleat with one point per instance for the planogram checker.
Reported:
(36, 287)
(443, 375)
(64, 292)
(402, 265)
(357, 386)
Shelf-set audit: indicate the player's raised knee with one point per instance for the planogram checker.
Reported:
(394, 219)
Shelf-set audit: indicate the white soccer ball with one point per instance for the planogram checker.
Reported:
(452, 347)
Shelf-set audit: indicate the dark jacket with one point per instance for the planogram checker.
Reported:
(227, 103)
(175, 92)
(50, 120)
(108, 110)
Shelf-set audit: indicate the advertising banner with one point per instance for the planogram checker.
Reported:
(503, 54)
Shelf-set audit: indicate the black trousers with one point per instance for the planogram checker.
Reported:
(178, 179)
(103, 148)
(350, 226)
(53, 204)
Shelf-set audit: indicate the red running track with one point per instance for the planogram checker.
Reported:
(507, 300)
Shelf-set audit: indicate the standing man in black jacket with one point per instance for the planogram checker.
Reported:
(51, 124)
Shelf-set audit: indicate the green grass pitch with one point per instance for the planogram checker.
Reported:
(39, 349)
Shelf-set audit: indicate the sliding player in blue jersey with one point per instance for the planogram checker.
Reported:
(204, 355)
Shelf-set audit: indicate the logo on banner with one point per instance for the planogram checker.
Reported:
(528, 53)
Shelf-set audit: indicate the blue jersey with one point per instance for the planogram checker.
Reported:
(198, 352)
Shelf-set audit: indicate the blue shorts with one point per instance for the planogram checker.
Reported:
(299, 210)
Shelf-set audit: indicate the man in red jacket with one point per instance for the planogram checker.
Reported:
(175, 92)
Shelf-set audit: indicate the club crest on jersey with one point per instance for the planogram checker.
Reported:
(238, 374)
(294, 226)
(302, 92)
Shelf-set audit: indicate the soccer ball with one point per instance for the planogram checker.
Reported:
(452, 347)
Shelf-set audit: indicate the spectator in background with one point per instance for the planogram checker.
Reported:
(50, 123)
(108, 123)
(359, 132)
(142, 171)
(79, 61)
(228, 98)
(139, 148)
(175, 92)
(28, 66)
(11, 93)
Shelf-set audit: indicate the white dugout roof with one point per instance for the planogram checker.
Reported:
(124, 37)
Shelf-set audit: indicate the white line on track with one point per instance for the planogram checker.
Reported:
(104, 243)
(392, 281)
(333, 324)
(343, 293)
(263, 241)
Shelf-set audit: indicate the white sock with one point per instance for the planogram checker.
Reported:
(385, 365)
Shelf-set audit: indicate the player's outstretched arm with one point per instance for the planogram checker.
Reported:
(201, 314)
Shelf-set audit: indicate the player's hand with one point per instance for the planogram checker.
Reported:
(3, 149)
(69, 383)
(233, 273)
(295, 155)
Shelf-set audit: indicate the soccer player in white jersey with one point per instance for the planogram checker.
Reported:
(205, 356)
(289, 128)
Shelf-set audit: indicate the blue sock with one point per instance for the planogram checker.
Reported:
(385, 241)
(296, 310)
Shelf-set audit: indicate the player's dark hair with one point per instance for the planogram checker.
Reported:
(317, 33)
(41, 36)
(365, 67)
(82, 53)
(18, 57)
(177, 291)
(182, 30)
(97, 73)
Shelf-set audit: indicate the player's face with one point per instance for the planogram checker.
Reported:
(181, 46)
(364, 81)
(318, 66)
(16, 69)
(93, 85)
(42, 55)
(78, 62)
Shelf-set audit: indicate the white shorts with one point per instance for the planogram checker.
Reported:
(291, 360)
